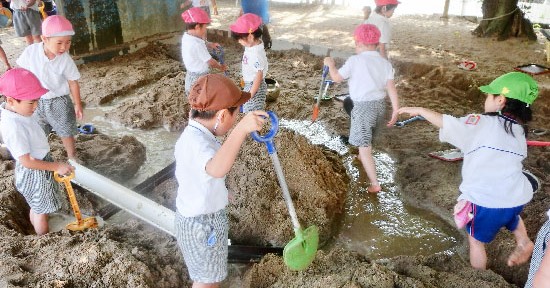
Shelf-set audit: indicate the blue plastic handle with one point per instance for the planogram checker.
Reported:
(325, 71)
(268, 137)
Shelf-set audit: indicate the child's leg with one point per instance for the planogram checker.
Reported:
(524, 246)
(478, 255)
(365, 155)
(69, 144)
(39, 222)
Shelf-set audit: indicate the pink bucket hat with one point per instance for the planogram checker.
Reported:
(386, 2)
(247, 23)
(21, 84)
(195, 15)
(57, 25)
(366, 34)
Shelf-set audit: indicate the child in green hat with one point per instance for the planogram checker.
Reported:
(493, 184)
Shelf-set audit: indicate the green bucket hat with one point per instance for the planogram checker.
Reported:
(515, 85)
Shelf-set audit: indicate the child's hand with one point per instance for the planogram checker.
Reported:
(328, 61)
(252, 121)
(223, 67)
(64, 168)
(78, 111)
(393, 119)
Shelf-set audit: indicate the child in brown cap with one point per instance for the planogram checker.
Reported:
(202, 162)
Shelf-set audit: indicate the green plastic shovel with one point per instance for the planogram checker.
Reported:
(301, 250)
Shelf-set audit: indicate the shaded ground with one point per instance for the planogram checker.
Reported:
(134, 254)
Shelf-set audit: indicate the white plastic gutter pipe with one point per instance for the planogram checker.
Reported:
(126, 199)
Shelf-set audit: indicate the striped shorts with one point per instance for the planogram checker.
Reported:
(203, 243)
(190, 78)
(57, 114)
(366, 117)
(38, 187)
(541, 247)
(258, 101)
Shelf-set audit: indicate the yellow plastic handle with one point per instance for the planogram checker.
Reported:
(62, 178)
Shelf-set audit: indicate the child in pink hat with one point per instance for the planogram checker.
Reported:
(29, 146)
(380, 18)
(247, 30)
(50, 61)
(194, 47)
(370, 78)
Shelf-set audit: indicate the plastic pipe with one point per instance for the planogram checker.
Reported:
(128, 200)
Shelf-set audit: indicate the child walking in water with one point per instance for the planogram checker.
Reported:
(53, 66)
(247, 30)
(202, 163)
(494, 146)
(29, 146)
(369, 77)
(194, 50)
(539, 270)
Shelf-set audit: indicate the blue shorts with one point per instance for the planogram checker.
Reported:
(488, 221)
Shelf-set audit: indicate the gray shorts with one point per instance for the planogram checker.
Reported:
(258, 101)
(38, 187)
(366, 117)
(27, 22)
(203, 243)
(541, 247)
(190, 79)
(57, 114)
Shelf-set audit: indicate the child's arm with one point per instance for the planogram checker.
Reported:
(334, 74)
(256, 83)
(215, 64)
(392, 93)
(224, 158)
(433, 117)
(4, 58)
(542, 276)
(31, 163)
(382, 50)
(74, 87)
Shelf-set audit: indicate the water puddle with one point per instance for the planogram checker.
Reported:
(379, 225)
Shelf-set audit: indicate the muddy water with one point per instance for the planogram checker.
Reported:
(159, 142)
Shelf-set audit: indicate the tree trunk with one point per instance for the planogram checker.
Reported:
(503, 19)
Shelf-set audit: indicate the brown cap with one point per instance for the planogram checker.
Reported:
(213, 92)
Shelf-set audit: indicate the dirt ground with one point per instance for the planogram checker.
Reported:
(424, 53)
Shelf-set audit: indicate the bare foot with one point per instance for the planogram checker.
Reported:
(521, 254)
(376, 189)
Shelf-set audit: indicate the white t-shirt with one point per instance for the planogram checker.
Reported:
(492, 169)
(194, 54)
(198, 192)
(254, 60)
(367, 74)
(53, 74)
(22, 135)
(383, 24)
(18, 4)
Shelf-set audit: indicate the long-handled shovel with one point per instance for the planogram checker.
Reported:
(316, 106)
(301, 250)
(220, 54)
(80, 224)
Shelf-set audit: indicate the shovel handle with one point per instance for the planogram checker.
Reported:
(66, 179)
(268, 137)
